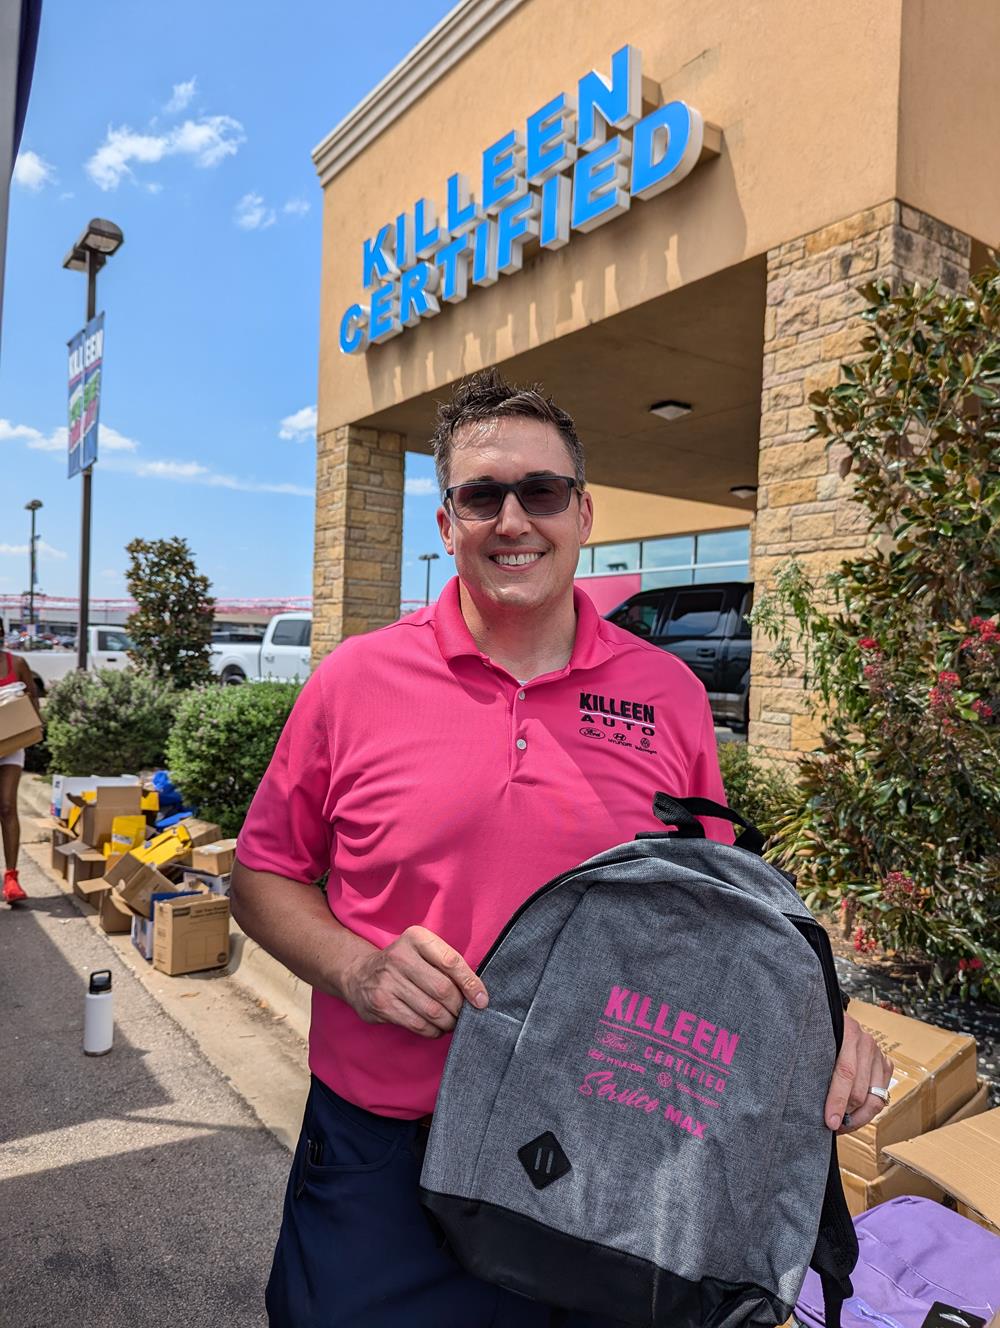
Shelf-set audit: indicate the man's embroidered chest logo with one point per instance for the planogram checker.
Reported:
(627, 723)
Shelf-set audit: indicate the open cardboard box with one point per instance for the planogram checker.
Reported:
(963, 1160)
(63, 785)
(895, 1180)
(934, 1075)
(98, 809)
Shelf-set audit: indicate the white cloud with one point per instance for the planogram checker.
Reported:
(193, 472)
(181, 97)
(33, 172)
(109, 439)
(252, 214)
(9, 432)
(296, 207)
(43, 549)
(207, 141)
(68, 194)
(300, 426)
(420, 487)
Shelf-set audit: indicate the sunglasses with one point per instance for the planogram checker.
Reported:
(539, 495)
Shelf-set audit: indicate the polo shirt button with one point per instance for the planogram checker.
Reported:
(520, 744)
(520, 696)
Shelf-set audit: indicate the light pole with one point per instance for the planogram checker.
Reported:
(92, 250)
(32, 507)
(427, 558)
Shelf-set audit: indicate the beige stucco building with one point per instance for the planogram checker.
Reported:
(818, 146)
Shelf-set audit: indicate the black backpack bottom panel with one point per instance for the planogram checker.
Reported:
(517, 1253)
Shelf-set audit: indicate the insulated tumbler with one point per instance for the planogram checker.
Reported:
(98, 1016)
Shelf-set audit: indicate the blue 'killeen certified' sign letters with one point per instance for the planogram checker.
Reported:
(563, 174)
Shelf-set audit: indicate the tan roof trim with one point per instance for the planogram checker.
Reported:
(444, 46)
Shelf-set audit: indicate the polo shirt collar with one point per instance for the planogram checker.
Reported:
(590, 647)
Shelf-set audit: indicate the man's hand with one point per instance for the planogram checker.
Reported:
(417, 982)
(859, 1066)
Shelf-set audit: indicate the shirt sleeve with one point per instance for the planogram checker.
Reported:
(289, 827)
(705, 779)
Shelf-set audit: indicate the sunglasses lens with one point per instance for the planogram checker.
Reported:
(544, 495)
(477, 502)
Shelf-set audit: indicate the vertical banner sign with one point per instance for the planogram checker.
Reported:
(86, 359)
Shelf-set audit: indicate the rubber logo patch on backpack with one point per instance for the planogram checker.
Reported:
(633, 1127)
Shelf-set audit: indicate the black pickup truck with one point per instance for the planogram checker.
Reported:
(705, 626)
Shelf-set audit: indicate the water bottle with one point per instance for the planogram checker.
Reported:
(98, 1016)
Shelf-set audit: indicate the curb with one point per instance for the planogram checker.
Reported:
(261, 977)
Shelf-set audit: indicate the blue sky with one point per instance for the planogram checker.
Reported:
(190, 126)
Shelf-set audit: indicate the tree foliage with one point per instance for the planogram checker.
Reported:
(110, 722)
(172, 626)
(221, 742)
(898, 817)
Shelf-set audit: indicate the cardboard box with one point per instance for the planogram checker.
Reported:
(198, 832)
(113, 916)
(63, 853)
(963, 1160)
(895, 1180)
(142, 935)
(941, 1062)
(88, 865)
(100, 807)
(59, 835)
(19, 725)
(63, 785)
(137, 882)
(219, 885)
(170, 846)
(214, 859)
(191, 934)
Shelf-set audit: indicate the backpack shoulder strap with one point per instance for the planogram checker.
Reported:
(836, 1250)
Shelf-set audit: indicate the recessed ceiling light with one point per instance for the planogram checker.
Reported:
(670, 410)
(743, 490)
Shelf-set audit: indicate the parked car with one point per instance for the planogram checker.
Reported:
(109, 647)
(705, 626)
(283, 654)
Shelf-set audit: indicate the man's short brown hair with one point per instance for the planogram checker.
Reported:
(487, 395)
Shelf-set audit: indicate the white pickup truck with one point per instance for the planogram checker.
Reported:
(108, 648)
(282, 656)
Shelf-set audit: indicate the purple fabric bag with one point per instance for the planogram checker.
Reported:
(915, 1255)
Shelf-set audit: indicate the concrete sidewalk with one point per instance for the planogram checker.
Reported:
(138, 1189)
(251, 1019)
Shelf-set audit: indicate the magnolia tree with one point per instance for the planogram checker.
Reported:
(897, 815)
(172, 626)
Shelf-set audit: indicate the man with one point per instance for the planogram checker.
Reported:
(441, 770)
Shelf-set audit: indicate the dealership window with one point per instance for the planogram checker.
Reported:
(673, 560)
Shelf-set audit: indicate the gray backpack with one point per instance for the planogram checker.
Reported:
(634, 1126)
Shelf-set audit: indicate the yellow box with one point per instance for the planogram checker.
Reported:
(150, 801)
(127, 832)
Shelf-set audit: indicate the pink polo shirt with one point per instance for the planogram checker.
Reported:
(439, 791)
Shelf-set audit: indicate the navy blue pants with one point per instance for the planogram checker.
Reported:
(356, 1249)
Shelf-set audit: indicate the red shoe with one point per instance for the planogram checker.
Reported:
(12, 892)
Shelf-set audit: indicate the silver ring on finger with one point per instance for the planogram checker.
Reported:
(883, 1093)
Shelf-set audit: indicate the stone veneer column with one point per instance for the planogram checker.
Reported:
(359, 533)
(811, 327)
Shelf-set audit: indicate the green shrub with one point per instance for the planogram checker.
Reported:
(898, 819)
(758, 789)
(221, 742)
(107, 723)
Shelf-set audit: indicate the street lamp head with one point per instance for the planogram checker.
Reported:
(34, 505)
(101, 239)
(427, 557)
